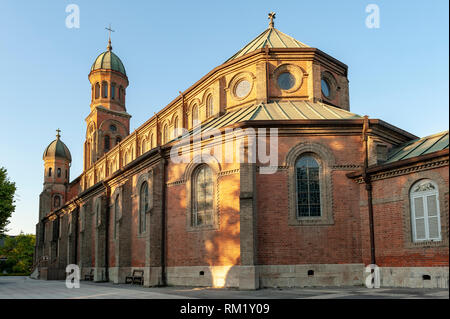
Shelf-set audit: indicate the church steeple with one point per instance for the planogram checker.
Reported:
(108, 122)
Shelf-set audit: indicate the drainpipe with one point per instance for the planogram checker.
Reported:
(368, 184)
(163, 220)
(107, 194)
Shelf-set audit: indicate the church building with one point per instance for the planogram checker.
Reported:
(258, 175)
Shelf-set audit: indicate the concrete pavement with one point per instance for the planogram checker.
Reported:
(27, 288)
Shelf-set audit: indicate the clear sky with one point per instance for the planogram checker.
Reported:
(397, 72)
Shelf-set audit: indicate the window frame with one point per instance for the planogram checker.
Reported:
(188, 177)
(142, 229)
(314, 157)
(209, 106)
(195, 120)
(104, 92)
(325, 159)
(424, 195)
(195, 200)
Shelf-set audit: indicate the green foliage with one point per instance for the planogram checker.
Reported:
(7, 190)
(19, 253)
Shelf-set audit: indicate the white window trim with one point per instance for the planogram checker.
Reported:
(423, 196)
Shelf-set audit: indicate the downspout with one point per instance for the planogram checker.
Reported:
(76, 233)
(266, 51)
(367, 181)
(163, 220)
(107, 194)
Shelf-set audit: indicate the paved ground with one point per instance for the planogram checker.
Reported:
(26, 288)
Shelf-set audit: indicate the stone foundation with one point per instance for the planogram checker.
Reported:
(414, 277)
(203, 276)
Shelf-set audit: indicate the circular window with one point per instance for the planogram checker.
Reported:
(113, 128)
(286, 81)
(242, 88)
(325, 88)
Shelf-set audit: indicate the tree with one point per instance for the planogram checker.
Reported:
(7, 190)
(18, 251)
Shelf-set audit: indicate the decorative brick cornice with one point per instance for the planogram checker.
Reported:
(229, 172)
(178, 182)
(406, 170)
(345, 167)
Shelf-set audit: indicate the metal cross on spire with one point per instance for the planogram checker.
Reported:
(271, 17)
(57, 133)
(109, 40)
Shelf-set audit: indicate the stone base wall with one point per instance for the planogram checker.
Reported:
(203, 276)
(311, 275)
(414, 277)
(117, 275)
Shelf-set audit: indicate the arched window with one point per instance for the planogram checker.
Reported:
(113, 91)
(97, 90)
(194, 115)
(308, 186)
(165, 134)
(56, 201)
(116, 214)
(107, 143)
(98, 213)
(104, 89)
(203, 196)
(49, 172)
(175, 126)
(127, 157)
(143, 206)
(118, 140)
(121, 93)
(425, 215)
(144, 146)
(58, 172)
(209, 106)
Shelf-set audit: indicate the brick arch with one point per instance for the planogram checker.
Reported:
(304, 147)
(205, 95)
(115, 122)
(201, 159)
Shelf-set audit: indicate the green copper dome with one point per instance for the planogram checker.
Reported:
(57, 149)
(109, 61)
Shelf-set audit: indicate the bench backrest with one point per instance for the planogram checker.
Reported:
(138, 271)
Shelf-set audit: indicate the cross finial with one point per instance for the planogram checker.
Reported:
(271, 17)
(109, 47)
(57, 133)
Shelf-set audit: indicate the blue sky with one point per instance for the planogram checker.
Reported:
(398, 73)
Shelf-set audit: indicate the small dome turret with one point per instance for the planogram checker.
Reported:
(57, 149)
(108, 61)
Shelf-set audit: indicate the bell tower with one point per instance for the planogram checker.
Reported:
(108, 123)
(57, 160)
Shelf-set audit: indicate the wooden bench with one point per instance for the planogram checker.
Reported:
(136, 278)
(89, 276)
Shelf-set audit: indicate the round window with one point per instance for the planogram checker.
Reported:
(113, 128)
(242, 88)
(325, 88)
(286, 81)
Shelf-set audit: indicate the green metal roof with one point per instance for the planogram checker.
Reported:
(421, 146)
(108, 60)
(271, 37)
(277, 110)
(57, 149)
